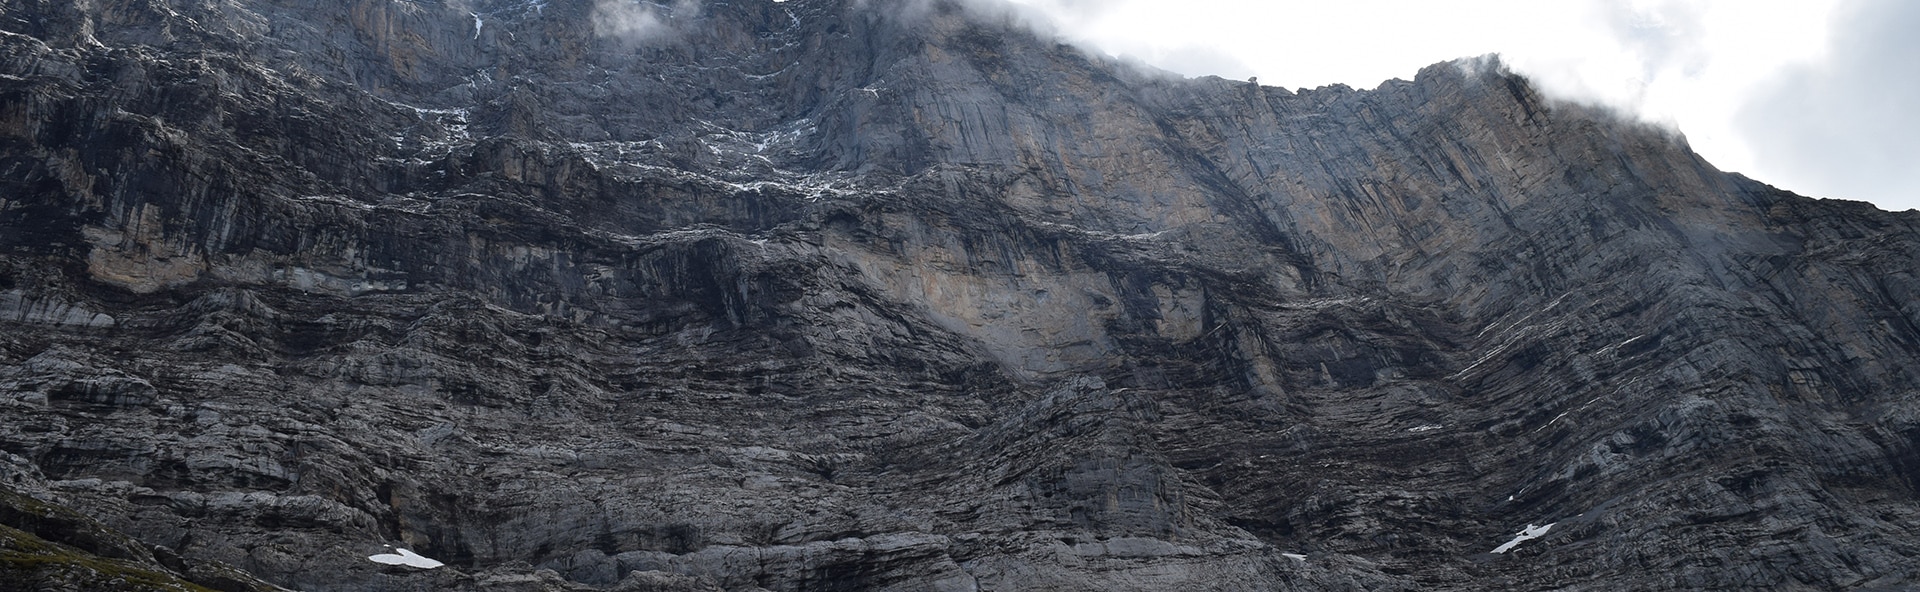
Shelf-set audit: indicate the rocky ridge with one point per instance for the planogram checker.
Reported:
(823, 295)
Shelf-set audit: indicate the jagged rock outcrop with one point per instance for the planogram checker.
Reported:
(830, 295)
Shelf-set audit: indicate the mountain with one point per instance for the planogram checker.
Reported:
(846, 295)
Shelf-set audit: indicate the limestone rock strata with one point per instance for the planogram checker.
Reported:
(835, 295)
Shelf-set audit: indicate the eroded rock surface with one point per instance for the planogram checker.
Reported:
(834, 295)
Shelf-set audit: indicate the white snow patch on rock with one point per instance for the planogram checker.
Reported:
(1531, 532)
(405, 557)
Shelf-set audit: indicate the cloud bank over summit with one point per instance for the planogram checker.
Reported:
(1726, 74)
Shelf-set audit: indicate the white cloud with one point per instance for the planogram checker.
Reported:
(624, 19)
(1847, 125)
(637, 21)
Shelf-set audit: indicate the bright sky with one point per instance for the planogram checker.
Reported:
(1821, 97)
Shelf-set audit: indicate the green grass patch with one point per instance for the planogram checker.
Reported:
(29, 562)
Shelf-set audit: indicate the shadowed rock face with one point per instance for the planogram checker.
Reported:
(819, 295)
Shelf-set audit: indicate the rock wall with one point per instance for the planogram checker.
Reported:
(823, 295)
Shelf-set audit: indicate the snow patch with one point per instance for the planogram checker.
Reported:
(1530, 533)
(1627, 342)
(338, 200)
(737, 142)
(1294, 556)
(404, 557)
(1564, 413)
(758, 77)
(454, 122)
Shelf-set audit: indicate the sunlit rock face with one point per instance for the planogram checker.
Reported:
(824, 295)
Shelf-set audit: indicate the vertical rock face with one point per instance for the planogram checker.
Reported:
(823, 295)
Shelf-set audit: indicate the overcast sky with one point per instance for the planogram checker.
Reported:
(1821, 97)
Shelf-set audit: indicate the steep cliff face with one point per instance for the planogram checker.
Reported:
(823, 295)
